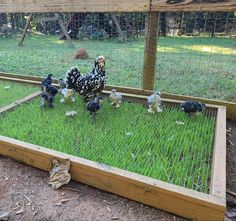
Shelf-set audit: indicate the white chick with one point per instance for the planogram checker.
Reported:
(154, 102)
(115, 98)
(68, 94)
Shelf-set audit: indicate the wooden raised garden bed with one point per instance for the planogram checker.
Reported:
(182, 201)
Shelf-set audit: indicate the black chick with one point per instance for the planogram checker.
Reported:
(94, 105)
(46, 100)
(192, 107)
(46, 81)
(50, 90)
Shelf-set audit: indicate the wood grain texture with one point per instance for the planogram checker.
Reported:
(193, 5)
(231, 106)
(19, 102)
(150, 51)
(172, 198)
(218, 176)
(32, 6)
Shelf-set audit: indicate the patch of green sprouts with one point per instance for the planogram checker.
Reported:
(128, 137)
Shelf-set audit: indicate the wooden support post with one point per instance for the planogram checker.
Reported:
(25, 29)
(68, 38)
(150, 51)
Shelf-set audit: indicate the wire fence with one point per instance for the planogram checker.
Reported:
(170, 146)
(196, 55)
(196, 52)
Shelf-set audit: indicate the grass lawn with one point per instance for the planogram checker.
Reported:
(204, 67)
(128, 137)
(11, 91)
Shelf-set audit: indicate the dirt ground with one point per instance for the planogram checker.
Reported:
(231, 171)
(24, 193)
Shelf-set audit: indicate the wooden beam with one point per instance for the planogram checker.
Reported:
(19, 102)
(231, 106)
(150, 51)
(25, 29)
(181, 201)
(218, 176)
(44, 19)
(193, 5)
(35, 6)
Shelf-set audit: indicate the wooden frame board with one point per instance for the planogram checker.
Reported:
(19, 102)
(29, 6)
(21, 6)
(193, 5)
(179, 200)
(230, 111)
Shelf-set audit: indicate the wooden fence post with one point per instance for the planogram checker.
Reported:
(150, 51)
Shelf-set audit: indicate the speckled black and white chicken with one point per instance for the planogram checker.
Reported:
(89, 85)
(154, 102)
(192, 107)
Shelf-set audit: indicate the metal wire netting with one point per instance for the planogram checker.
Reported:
(196, 55)
(170, 146)
(196, 52)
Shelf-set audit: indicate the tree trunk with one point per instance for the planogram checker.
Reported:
(74, 24)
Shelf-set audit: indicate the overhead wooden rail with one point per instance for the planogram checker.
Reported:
(21, 6)
(193, 5)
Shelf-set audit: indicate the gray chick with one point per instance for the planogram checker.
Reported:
(115, 98)
(154, 102)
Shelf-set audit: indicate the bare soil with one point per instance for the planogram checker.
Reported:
(231, 170)
(24, 190)
(24, 193)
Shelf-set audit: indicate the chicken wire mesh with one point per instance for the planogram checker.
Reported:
(196, 52)
(195, 56)
(170, 146)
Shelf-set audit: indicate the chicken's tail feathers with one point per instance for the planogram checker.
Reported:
(71, 77)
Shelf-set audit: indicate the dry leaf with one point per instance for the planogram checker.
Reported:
(59, 174)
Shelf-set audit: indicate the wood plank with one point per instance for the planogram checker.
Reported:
(172, 198)
(24, 77)
(231, 106)
(218, 177)
(150, 51)
(44, 19)
(19, 102)
(34, 6)
(193, 5)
